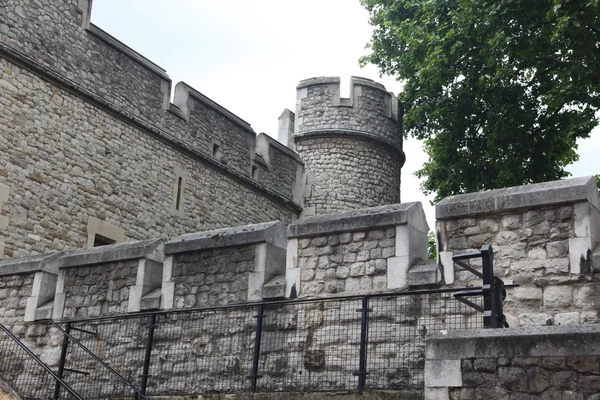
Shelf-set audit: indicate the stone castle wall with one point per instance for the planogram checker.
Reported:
(544, 238)
(90, 135)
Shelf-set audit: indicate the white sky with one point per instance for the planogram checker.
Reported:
(249, 55)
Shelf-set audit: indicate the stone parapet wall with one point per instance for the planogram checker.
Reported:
(541, 362)
(544, 237)
(223, 266)
(360, 251)
(345, 262)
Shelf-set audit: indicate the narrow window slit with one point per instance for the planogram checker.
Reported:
(178, 199)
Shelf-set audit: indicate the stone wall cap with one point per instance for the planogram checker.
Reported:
(30, 264)
(519, 197)
(269, 232)
(361, 219)
(319, 80)
(531, 341)
(354, 80)
(151, 248)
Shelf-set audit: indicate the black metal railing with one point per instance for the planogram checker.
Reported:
(101, 379)
(25, 372)
(372, 341)
(493, 291)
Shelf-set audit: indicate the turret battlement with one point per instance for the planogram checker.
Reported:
(370, 109)
(352, 146)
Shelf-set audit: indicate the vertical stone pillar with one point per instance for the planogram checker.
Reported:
(286, 129)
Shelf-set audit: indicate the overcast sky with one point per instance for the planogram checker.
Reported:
(249, 55)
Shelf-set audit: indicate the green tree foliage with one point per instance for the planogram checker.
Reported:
(431, 246)
(499, 90)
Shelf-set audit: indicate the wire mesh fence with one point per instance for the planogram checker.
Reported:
(300, 345)
(332, 344)
(114, 343)
(25, 373)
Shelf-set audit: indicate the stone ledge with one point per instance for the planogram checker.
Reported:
(361, 219)
(151, 248)
(320, 80)
(30, 264)
(124, 49)
(270, 232)
(541, 341)
(351, 134)
(519, 197)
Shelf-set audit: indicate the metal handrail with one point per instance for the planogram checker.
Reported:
(95, 357)
(40, 362)
(269, 303)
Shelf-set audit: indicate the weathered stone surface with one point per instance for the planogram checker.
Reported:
(519, 197)
(534, 362)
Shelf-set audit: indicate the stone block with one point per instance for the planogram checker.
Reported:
(422, 275)
(397, 272)
(268, 232)
(442, 373)
(557, 249)
(580, 254)
(535, 319)
(558, 297)
(524, 294)
(447, 265)
(274, 288)
(570, 318)
(151, 301)
(436, 394)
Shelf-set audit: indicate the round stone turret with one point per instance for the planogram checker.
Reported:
(352, 147)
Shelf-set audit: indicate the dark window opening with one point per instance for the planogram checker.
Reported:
(254, 172)
(178, 198)
(100, 240)
(217, 152)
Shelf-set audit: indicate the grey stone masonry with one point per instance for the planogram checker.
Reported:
(358, 251)
(39, 295)
(543, 236)
(108, 280)
(223, 266)
(88, 132)
(352, 147)
(523, 363)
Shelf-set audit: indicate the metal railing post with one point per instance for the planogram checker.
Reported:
(256, 357)
(148, 354)
(61, 363)
(488, 288)
(364, 326)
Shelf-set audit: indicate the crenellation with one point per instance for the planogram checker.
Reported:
(352, 147)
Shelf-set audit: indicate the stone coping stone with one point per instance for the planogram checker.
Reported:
(151, 248)
(270, 232)
(519, 197)
(30, 264)
(354, 80)
(534, 341)
(361, 219)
